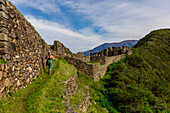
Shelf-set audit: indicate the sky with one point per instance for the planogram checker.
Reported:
(84, 24)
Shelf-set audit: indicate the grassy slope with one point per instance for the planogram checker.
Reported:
(43, 95)
(84, 80)
(141, 81)
(138, 83)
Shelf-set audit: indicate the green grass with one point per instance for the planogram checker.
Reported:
(43, 95)
(76, 99)
(140, 82)
(2, 61)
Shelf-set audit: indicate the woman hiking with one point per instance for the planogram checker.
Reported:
(49, 63)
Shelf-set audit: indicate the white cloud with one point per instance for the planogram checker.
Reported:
(128, 18)
(77, 41)
(119, 19)
(42, 5)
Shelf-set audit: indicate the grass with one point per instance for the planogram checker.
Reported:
(43, 95)
(76, 99)
(140, 82)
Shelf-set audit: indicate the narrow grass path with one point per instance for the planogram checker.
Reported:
(43, 95)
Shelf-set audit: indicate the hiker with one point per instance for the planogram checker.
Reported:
(49, 63)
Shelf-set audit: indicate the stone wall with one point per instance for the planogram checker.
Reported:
(21, 46)
(99, 72)
(63, 51)
(93, 70)
(111, 51)
(81, 65)
(86, 102)
(71, 86)
(99, 59)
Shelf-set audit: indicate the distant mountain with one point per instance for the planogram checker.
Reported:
(129, 43)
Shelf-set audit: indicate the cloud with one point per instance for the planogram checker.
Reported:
(111, 20)
(126, 18)
(77, 41)
(42, 5)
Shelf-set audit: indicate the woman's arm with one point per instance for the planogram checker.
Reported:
(51, 57)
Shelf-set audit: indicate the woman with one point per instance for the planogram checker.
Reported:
(49, 63)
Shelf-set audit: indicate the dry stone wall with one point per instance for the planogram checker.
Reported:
(86, 102)
(81, 65)
(21, 46)
(97, 66)
(63, 51)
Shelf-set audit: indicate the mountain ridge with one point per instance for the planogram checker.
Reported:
(129, 43)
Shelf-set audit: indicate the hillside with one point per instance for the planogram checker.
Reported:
(141, 81)
(49, 93)
(129, 43)
(138, 83)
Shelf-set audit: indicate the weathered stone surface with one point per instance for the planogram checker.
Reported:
(2, 2)
(18, 83)
(3, 14)
(7, 82)
(29, 69)
(2, 87)
(0, 75)
(3, 29)
(3, 51)
(3, 44)
(3, 37)
(86, 102)
(24, 53)
(2, 7)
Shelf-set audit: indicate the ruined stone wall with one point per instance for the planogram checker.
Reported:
(86, 102)
(71, 86)
(81, 65)
(111, 51)
(94, 70)
(21, 46)
(106, 55)
(99, 59)
(63, 51)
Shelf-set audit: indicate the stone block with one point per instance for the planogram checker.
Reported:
(3, 15)
(2, 2)
(18, 83)
(3, 37)
(3, 44)
(3, 29)
(3, 51)
(7, 82)
(2, 7)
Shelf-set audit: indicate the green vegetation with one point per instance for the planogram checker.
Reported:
(43, 95)
(76, 99)
(2, 61)
(140, 82)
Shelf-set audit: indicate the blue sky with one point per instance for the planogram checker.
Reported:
(83, 24)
